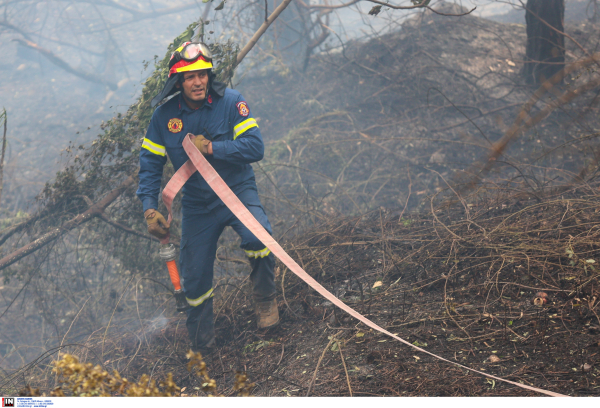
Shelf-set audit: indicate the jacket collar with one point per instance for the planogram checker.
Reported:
(183, 107)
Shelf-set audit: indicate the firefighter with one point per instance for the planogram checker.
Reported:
(229, 138)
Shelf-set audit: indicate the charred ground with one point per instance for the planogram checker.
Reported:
(460, 282)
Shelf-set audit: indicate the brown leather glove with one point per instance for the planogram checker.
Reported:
(203, 144)
(157, 225)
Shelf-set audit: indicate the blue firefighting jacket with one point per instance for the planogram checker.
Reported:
(237, 142)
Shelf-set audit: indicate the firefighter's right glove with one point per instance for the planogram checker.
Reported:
(157, 225)
(203, 144)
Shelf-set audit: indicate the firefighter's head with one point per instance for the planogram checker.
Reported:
(190, 71)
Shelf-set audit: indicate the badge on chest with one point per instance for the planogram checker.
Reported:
(175, 125)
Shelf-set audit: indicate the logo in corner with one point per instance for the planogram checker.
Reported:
(8, 401)
(209, 98)
(175, 125)
(243, 108)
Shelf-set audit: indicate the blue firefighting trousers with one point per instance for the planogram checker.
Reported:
(199, 236)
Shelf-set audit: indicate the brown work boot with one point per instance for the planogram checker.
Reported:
(267, 314)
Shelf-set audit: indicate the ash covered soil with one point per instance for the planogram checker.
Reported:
(463, 284)
(382, 128)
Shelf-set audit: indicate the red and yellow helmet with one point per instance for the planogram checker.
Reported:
(190, 56)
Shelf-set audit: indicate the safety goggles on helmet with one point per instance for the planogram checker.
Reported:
(194, 50)
(190, 56)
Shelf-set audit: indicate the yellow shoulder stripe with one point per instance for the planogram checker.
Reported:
(242, 127)
(153, 147)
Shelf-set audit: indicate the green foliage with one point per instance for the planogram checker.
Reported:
(406, 222)
(112, 157)
(375, 10)
(220, 6)
(226, 55)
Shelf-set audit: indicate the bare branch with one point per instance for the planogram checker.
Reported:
(316, 41)
(125, 228)
(8, 25)
(261, 30)
(139, 13)
(5, 119)
(144, 15)
(326, 6)
(62, 64)
(28, 35)
(424, 4)
(524, 121)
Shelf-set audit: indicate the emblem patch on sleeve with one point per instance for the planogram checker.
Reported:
(243, 108)
(175, 125)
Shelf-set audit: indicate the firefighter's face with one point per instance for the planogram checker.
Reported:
(195, 85)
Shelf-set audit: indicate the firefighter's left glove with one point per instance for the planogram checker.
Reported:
(157, 225)
(203, 144)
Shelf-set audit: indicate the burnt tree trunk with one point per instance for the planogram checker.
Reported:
(545, 54)
(593, 9)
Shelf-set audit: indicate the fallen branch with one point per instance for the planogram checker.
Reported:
(95, 210)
